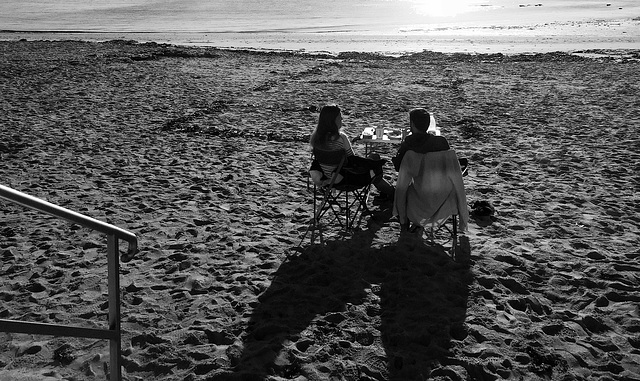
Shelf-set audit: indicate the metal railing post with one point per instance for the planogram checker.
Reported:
(113, 264)
(113, 233)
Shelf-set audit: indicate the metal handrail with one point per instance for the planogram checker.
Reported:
(113, 233)
(69, 215)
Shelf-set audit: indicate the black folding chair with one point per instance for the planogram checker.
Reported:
(344, 202)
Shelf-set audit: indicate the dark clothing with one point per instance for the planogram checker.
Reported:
(356, 171)
(357, 162)
(420, 143)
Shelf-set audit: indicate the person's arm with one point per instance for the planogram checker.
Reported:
(397, 160)
(445, 143)
(347, 144)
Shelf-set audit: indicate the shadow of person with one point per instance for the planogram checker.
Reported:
(423, 304)
(348, 310)
(299, 316)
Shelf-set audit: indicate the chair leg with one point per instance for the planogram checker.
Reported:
(329, 201)
(347, 210)
(434, 235)
(335, 201)
(454, 238)
(314, 221)
(362, 199)
(315, 224)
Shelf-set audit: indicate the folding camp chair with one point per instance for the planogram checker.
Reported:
(339, 204)
(430, 194)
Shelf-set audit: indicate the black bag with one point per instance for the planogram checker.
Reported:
(482, 209)
(357, 170)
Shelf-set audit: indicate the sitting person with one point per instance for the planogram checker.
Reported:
(420, 140)
(328, 136)
(429, 187)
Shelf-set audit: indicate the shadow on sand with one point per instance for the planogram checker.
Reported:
(346, 311)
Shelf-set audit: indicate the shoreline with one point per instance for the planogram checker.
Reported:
(541, 38)
(603, 50)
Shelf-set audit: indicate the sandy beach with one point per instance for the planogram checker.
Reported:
(202, 153)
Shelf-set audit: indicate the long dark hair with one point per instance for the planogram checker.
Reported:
(327, 128)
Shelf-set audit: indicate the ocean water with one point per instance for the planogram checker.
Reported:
(292, 24)
(224, 15)
(364, 16)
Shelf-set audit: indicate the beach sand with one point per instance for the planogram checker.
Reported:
(202, 154)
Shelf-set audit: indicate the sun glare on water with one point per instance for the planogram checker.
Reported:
(443, 8)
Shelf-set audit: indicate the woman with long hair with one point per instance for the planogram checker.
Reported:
(329, 136)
